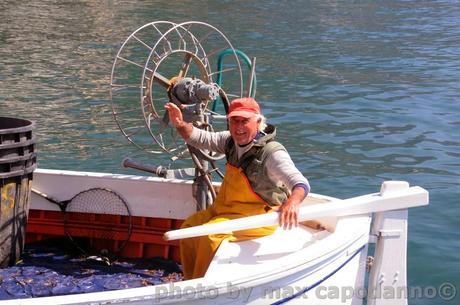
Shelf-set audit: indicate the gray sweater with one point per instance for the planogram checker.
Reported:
(279, 165)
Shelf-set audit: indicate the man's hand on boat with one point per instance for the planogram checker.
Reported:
(289, 210)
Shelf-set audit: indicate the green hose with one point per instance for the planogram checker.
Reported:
(220, 63)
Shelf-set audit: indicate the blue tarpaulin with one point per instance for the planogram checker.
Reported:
(46, 270)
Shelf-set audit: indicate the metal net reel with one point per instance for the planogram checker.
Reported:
(163, 61)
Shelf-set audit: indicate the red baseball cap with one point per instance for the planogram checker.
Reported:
(245, 107)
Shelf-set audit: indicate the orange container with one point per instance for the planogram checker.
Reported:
(146, 240)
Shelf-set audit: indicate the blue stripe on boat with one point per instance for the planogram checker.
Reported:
(297, 294)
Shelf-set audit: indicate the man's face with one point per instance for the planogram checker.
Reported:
(243, 130)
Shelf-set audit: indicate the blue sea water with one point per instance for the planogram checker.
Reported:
(361, 92)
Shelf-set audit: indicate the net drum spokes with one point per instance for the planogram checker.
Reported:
(145, 69)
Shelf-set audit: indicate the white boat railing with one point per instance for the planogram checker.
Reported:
(394, 195)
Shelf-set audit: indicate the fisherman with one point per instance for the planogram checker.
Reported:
(260, 177)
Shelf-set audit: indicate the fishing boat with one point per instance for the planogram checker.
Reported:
(327, 259)
(323, 266)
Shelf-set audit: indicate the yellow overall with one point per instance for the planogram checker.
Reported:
(235, 199)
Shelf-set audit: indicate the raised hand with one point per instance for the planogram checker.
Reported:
(175, 117)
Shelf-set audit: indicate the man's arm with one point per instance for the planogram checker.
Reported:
(214, 141)
(280, 167)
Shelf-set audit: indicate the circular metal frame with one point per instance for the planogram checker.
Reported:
(197, 45)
